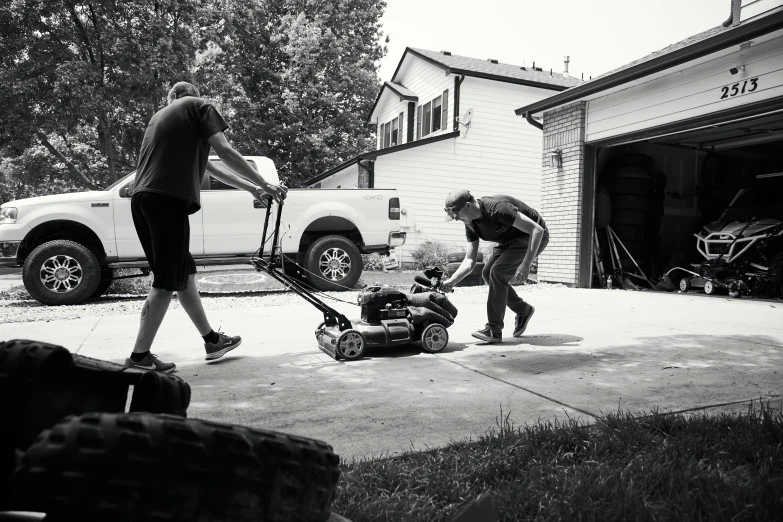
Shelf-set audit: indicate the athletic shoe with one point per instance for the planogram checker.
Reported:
(224, 345)
(150, 362)
(488, 336)
(520, 324)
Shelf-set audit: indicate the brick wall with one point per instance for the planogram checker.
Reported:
(561, 193)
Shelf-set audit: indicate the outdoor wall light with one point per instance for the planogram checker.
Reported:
(557, 158)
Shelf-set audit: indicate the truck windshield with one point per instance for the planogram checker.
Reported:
(119, 181)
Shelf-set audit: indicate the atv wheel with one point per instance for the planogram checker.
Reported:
(434, 338)
(131, 467)
(351, 345)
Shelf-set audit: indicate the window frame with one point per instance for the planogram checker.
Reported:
(423, 114)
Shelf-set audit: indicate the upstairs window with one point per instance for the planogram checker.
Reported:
(433, 115)
(391, 132)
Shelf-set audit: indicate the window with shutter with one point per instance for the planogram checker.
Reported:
(436, 113)
(418, 124)
(427, 120)
(387, 135)
(401, 126)
(445, 110)
(380, 135)
(395, 131)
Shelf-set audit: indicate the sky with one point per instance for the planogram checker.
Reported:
(598, 35)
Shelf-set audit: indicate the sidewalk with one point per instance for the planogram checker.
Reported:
(585, 352)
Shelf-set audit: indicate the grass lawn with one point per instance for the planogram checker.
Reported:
(623, 467)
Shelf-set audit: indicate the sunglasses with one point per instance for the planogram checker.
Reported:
(453, 211)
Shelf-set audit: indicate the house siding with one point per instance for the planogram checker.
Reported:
(561, 193)
(690, 90)
(754, 8)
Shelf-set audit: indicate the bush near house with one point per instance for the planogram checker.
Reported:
(430, 253)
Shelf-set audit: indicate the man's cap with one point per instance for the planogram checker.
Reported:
(457, 198)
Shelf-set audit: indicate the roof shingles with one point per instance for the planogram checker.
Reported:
(514, 72)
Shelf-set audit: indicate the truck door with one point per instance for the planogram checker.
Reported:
(233, 218)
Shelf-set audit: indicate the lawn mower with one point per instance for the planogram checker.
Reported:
(743, 254)
(389, 317)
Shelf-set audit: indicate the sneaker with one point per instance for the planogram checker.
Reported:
(224, 345)
(520, 325)
(150, 362)
(488, 336)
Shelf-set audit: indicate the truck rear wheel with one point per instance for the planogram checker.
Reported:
(61, 272)
(333, 263)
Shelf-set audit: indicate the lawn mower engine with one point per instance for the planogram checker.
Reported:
(390, 317)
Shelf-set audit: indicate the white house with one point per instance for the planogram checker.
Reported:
(428, 145)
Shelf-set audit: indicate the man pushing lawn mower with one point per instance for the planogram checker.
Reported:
(520, 234)
(174, 156)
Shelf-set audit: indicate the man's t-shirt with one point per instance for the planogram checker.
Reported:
(496, 223)
(175, 151)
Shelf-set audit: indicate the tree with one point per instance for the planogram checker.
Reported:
(297, 78)
(82, 78)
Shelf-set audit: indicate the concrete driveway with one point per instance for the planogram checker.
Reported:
(585, 352)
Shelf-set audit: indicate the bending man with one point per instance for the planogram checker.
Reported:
(520, 235)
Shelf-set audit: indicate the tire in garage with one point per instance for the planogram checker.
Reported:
(632, 202)
(630, 172)
(636, 218)
(629, 233)
(124, 467)
(603, 207)
(631, 158)
(457, 257)
(333, 263)
(631, 186)
(71, 273)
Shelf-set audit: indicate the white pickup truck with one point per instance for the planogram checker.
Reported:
(69, 244)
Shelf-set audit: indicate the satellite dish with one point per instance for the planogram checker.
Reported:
(465, 120)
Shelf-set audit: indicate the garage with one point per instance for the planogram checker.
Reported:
(701, 210)
(685, 142)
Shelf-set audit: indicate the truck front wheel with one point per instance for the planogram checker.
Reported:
(333, 263)
(61, 273)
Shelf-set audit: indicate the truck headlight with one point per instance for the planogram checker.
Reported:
(8, 215)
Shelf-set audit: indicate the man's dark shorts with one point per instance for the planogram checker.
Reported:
(164, 231)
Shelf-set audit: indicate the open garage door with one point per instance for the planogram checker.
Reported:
(721, 181)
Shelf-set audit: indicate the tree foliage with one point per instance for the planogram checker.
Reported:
(294, 78)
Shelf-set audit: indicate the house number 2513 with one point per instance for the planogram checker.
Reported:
(739, 88)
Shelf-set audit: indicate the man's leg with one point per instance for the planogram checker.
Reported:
(152, 314)
(216, 344)
(505, 261)
(191, 303)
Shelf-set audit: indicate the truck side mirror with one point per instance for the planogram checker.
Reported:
(127, 191)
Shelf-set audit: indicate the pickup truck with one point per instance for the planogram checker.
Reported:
(70, 244)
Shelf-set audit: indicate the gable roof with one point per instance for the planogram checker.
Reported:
(397, 88)
(382, 152)
(486, 69)
(692, 48)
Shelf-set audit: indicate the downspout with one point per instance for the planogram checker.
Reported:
(532, 121)
(457, 82)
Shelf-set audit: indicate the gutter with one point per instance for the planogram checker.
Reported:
(719, 42)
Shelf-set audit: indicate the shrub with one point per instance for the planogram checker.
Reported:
(430, 253)
(372, 262)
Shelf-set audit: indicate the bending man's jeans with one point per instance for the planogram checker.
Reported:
(498, 272)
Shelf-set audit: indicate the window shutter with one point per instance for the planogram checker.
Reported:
(399, 133)
(380, 135)
(444, 111)
(418, 124)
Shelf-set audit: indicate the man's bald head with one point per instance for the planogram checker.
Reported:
(181, 90)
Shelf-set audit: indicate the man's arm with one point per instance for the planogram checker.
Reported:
(536, 231)
(465, 268)
(242, 168)
(229, 178)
